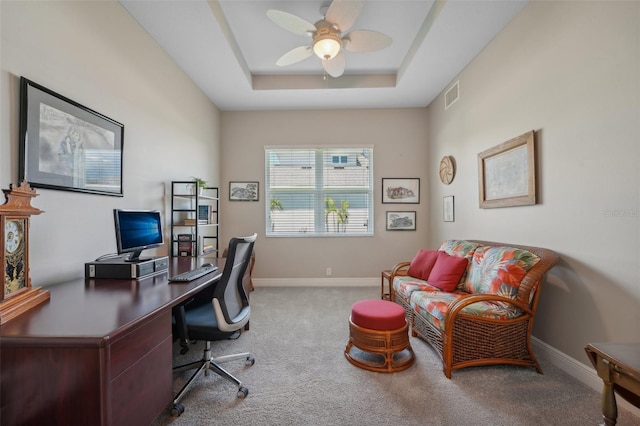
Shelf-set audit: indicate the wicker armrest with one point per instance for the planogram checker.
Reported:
(400, 269)
(462, 302)
(459, 304)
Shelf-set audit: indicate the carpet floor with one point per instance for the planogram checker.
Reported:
(301, 377)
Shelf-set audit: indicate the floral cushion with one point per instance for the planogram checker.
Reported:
(498, 270)
(433, 306)
(404, 285)
(460, 248)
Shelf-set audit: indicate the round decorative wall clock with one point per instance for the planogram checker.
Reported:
(447, 169)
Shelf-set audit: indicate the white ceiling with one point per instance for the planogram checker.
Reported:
(229, 49)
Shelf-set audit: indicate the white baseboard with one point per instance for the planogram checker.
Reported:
(580, 371)
(316, 282)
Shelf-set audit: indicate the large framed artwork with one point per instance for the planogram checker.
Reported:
(507, 174)
(401, 190)
(67, 146)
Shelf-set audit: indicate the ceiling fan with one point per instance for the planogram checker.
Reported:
(328, 37)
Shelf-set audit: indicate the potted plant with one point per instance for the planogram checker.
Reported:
(199, 184)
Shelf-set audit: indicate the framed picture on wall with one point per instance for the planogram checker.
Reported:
(507, 174)
(401, 221)
(243, 191)
(67, 146)
(401, 190)
(448, 211)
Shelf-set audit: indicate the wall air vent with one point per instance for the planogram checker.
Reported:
(452, 94)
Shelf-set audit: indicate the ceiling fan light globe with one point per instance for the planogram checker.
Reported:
(327, 46)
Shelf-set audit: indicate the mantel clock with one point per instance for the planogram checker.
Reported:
(17, 294)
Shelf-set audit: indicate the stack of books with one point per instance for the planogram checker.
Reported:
(193, 222)
(204, 214)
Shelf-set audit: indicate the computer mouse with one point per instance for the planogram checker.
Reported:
(208, 265)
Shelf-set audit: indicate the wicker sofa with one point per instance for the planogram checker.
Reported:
(483, 313)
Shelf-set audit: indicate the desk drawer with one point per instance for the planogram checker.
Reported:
(142, 391)
(133, 346)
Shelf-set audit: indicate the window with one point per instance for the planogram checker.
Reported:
(319, 191)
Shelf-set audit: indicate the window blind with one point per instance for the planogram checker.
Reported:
(323, 191)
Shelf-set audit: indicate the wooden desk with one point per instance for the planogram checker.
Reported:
(98, 353)
(618, 365)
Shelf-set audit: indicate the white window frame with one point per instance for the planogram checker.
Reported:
(361, 225)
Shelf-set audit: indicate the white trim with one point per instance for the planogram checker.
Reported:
(578, 370)
(319, 146)
(316, 282)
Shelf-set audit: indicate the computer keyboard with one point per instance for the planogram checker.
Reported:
(194, 273)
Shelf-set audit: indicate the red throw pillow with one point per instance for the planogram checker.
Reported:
(422, 264)
(447, 271)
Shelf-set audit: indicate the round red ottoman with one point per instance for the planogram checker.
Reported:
(379, 329)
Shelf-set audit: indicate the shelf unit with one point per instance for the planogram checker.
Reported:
(194, 219)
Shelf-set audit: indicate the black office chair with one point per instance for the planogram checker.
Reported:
(220, 316)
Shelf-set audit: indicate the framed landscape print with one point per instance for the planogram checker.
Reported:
(243, 191)
(400, 190)
(67, 146)
(401, 221)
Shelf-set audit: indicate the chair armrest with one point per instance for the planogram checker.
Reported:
(400, 269)
(457, 305)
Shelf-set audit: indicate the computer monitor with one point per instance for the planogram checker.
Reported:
(137, 230)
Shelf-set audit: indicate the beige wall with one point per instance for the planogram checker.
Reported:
(399, 138)
(571, 72)
(568, 70)
(94, 53)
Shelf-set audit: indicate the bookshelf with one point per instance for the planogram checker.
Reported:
(194, 220)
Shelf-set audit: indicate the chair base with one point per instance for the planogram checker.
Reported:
(386, 344)
(204, 365)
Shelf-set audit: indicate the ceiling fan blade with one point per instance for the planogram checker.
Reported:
(335, 67)
(365, 41)
(294, 55)
(343, 13)
(290, 22)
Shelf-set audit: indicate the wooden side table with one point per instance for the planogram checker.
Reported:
(618, 365)
(386, 276)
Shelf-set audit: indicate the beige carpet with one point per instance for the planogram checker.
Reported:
(301, 377)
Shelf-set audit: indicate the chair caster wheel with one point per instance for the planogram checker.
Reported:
(250, 361)
(242, 392)
(177, 409)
